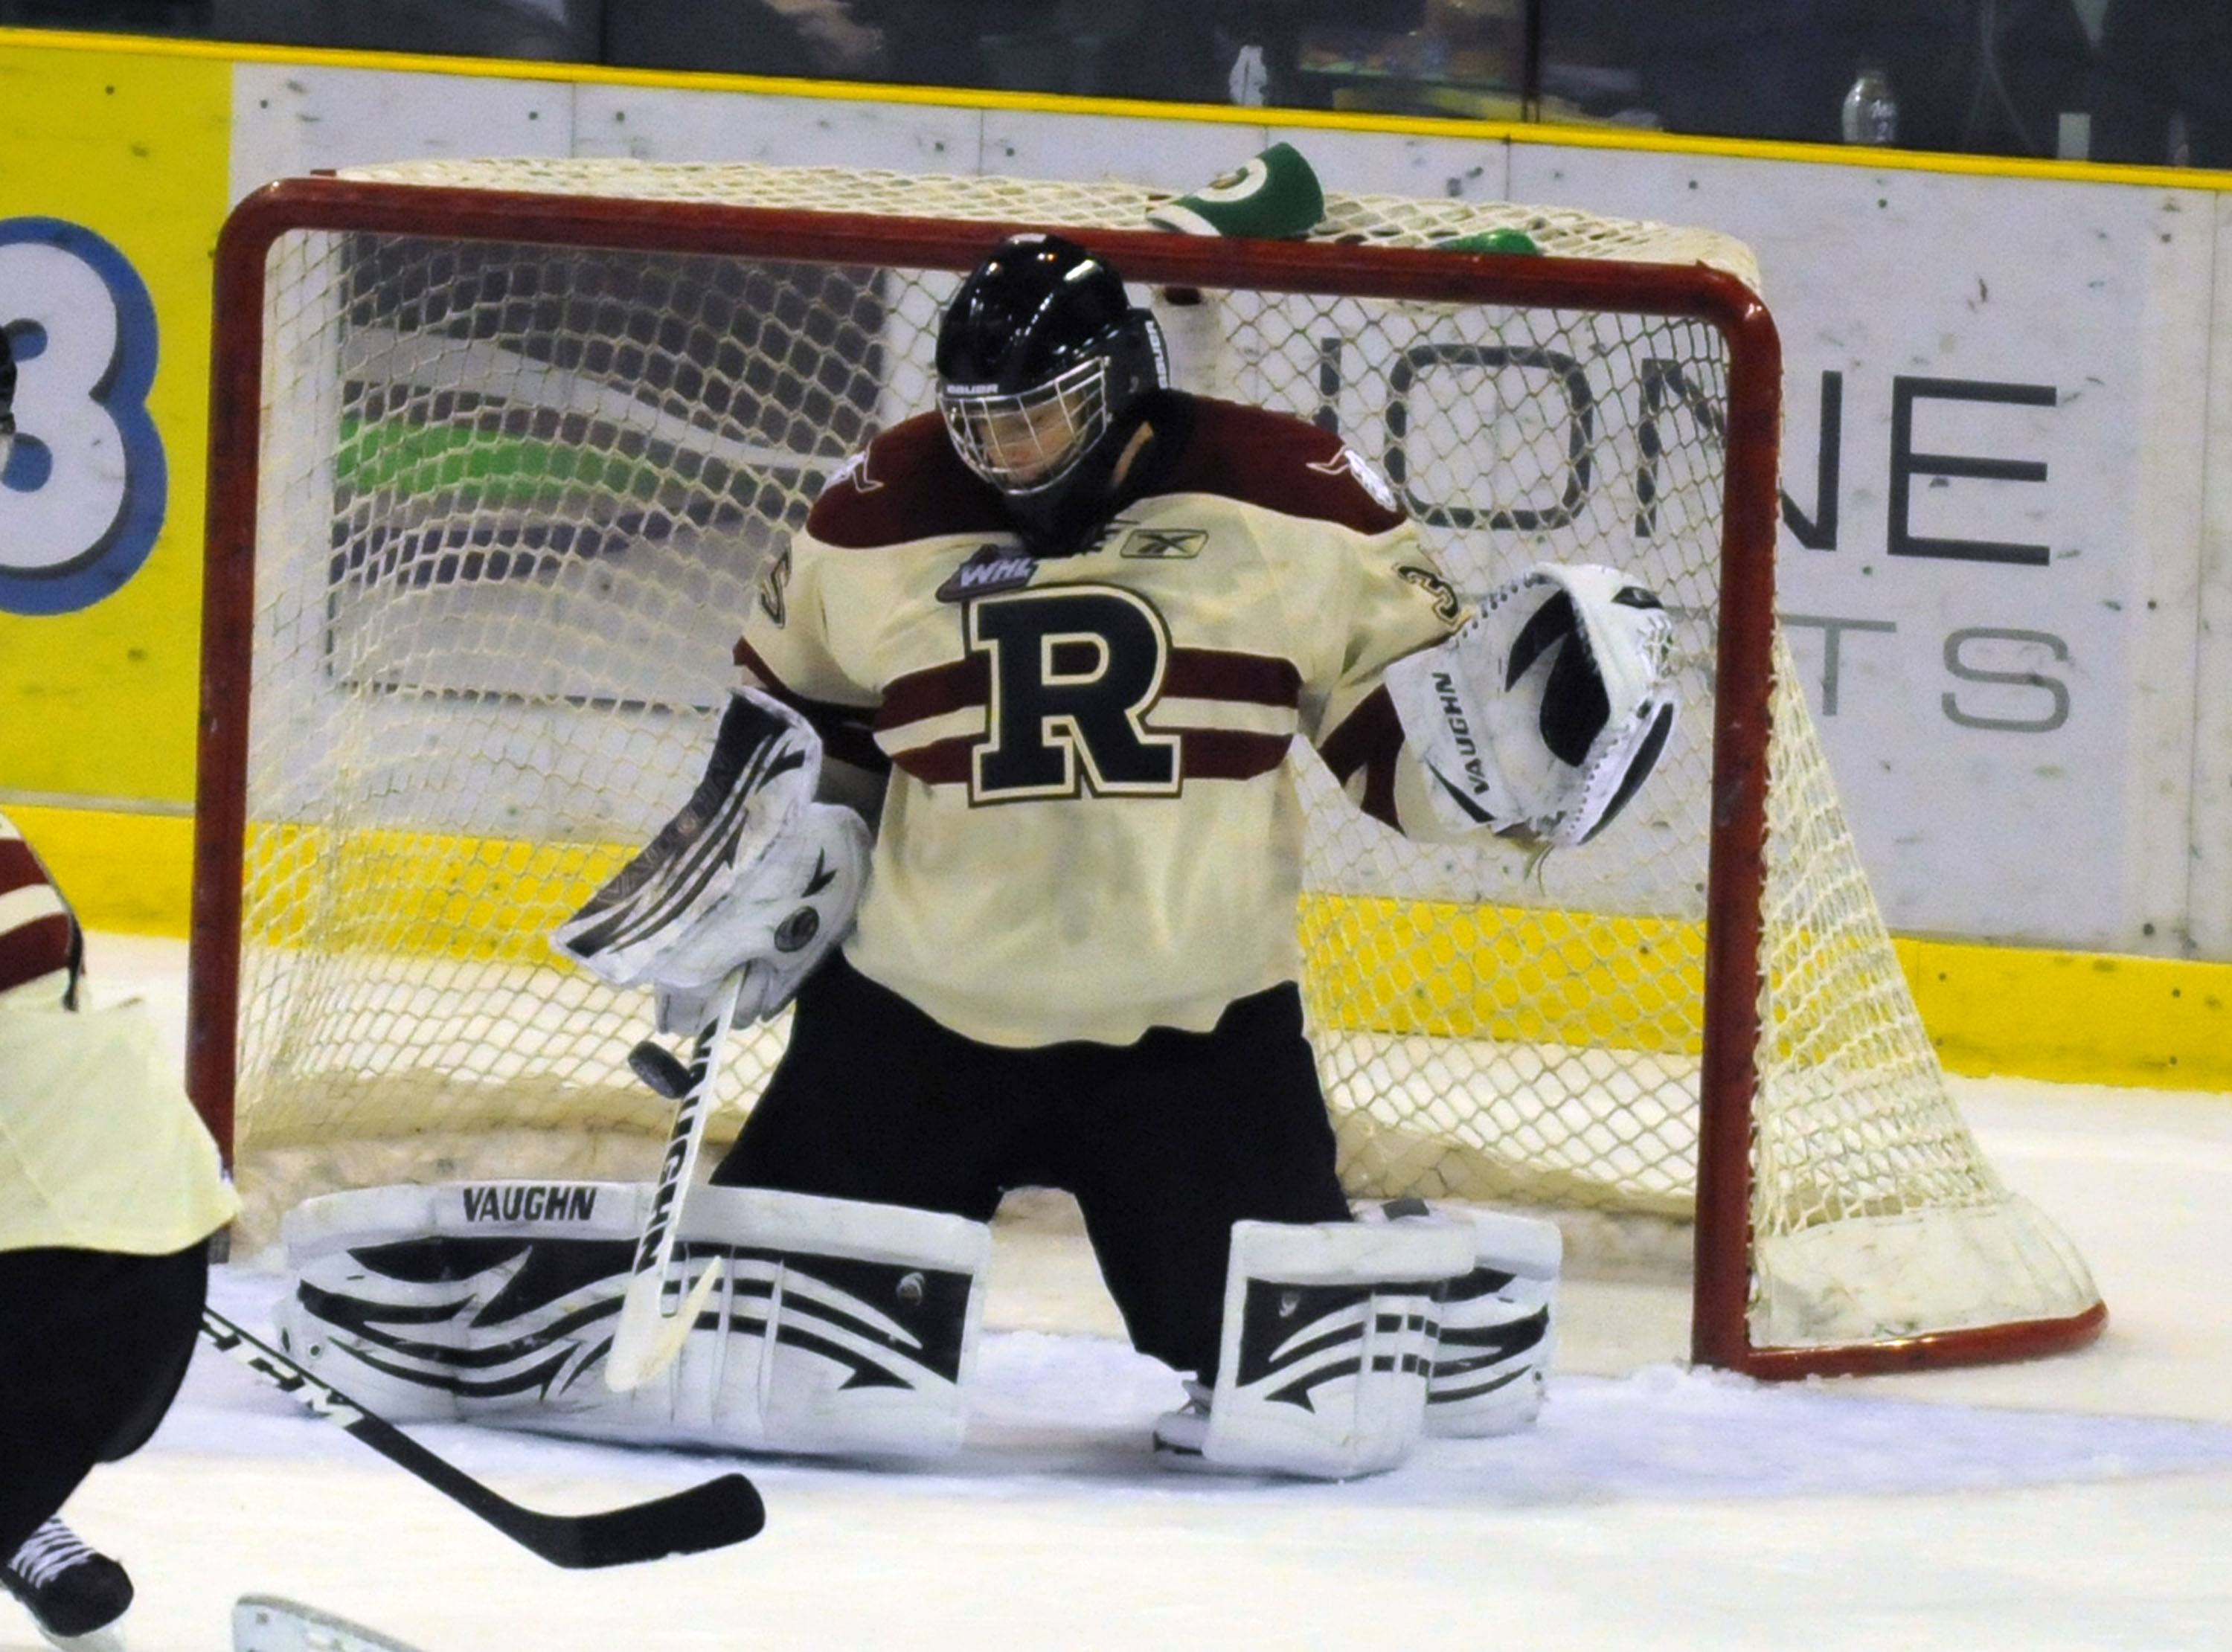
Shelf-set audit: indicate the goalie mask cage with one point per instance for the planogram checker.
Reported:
(500, 448)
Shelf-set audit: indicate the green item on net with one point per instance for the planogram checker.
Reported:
(1275, 196)
(1504, 241)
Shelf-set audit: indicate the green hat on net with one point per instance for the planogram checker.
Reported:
(1272, 197)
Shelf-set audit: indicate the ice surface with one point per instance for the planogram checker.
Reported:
(2080, 1502)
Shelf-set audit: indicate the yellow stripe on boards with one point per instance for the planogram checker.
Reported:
(2074, 1017)
(1574, 135)
(1510, 974)
(1402, 967)
(129, 870)
(422, 894)
(1405, 967)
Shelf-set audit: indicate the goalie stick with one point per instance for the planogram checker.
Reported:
(710, 1515)
(645, 1342)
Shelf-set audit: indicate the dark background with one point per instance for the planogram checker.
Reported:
(2153, 78)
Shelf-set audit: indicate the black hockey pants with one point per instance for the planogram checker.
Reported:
(1166, 1142)
(93, 1345)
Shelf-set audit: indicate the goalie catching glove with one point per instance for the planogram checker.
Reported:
(752, 874)
(1543, 716)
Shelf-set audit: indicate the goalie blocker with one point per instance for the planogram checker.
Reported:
(750, 874)
(833, 1325)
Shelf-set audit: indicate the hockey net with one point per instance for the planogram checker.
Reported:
(503, 446)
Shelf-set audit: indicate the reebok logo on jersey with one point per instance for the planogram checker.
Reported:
(560, 1201)
(1166, 544)
(989, 568)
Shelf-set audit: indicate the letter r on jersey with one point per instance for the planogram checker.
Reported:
(1073, 671)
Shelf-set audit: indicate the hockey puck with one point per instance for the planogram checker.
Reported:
(655, 1065)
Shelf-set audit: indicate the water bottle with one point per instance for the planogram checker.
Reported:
(1870, 108)
(1249, 81)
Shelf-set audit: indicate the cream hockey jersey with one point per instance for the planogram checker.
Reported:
(99, 1149)
(1090, 827)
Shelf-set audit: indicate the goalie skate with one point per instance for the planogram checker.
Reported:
(269, 1623)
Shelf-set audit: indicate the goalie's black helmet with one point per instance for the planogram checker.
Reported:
(1040, 358)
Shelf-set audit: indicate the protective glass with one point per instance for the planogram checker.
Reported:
(1022, 443)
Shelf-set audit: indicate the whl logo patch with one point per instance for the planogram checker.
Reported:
(1166, 544)
(992, 567)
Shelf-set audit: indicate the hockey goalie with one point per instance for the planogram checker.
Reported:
(1003, 805)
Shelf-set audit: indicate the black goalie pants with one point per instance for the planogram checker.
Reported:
(1166, 1142)
(93, 1345)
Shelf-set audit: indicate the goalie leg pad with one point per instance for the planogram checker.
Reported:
(833, 1325)
(1327, 1339)
(487, 1302)
(1497, 1333)
(847, 1326)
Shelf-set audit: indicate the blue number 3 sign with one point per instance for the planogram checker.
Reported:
(82, 495)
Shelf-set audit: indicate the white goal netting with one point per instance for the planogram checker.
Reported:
(511, 501)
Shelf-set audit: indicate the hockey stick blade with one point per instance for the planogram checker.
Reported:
(656, 1065)
(644, 1341)
(711, 1515)
(274, 1624)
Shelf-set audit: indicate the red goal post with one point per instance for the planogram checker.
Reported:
(426, 508)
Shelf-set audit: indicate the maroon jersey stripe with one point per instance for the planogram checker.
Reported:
(36, 947)
(1369, 739)
(19, 867)
(942, 762)
(1370, 732)
(1220, 674)
(1192, 673)
(1204, 754)
(31, 950)
(907, 484)
(844, 728)
(933, 693)
(1228, 754)
(1268, 459)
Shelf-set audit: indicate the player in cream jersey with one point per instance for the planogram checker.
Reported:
(1058, 643)
(109, 1190)
(1087, 753)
